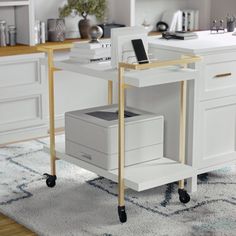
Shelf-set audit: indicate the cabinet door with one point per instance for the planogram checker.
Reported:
(22, 92)
(216, 139)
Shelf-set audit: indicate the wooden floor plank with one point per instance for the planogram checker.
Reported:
(8, 227)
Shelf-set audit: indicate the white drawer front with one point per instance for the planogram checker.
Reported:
(21, 112)
(219, 76)
(26, 72)
(217, 132)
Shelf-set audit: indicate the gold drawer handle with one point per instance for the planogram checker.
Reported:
(223, 75)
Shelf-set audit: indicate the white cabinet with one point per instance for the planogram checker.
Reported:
(216, 136)
(23, 97)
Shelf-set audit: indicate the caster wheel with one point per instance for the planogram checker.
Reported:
(203, 177)
(51, 180)
(122, 214)
(183, 196)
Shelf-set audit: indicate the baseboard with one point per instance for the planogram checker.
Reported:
(22, 134)
(29, 133)
(217, 166)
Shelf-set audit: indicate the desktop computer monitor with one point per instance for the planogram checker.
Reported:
(121, 44)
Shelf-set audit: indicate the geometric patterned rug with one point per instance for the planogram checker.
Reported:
(83, 203)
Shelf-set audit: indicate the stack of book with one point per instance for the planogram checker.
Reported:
(90, 52)
(185, 35)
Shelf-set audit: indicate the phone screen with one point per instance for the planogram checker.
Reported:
(140, 51)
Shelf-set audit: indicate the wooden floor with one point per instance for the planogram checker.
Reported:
(9, 227)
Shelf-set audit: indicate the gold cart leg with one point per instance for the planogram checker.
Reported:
(110, 92)
(184, 197)
(51, 179)
(121, 151)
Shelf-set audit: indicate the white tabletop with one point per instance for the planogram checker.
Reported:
(143, 78)
(205, 43)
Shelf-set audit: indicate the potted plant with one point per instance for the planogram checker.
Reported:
(84, 8)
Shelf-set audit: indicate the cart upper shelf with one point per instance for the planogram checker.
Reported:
(136, 78)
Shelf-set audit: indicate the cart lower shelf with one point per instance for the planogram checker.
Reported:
(138, 177)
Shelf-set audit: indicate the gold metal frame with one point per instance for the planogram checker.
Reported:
(121, 87)
(186, 60)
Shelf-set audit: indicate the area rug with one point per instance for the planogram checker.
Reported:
(83, 204)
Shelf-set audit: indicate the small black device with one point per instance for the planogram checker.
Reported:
(140, 51)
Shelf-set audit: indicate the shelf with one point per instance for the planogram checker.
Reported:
(141, 78)
(7, 3)
(138, 177)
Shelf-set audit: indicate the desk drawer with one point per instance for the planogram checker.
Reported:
(219, 79)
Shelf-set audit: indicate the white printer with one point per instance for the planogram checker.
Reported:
(92, 136)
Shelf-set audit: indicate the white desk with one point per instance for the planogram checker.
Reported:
(212, 128)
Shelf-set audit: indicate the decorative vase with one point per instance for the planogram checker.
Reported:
(84, 26)
(56, 30)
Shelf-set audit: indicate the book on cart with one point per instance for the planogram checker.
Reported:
(95, 51)
(87, 61)
(103, 44)
(90, 52)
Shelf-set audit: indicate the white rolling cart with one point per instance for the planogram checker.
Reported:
(145, 175)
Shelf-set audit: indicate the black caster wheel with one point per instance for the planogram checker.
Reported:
(203, 177)
(51, 180)
(122, 214)
(183, 196)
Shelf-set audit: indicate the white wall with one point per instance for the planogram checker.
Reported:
(46, 9)
(220, 8)
(152, 10)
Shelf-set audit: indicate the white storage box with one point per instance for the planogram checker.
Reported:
(92, 136)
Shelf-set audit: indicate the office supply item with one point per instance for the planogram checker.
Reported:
(12, 35)
(196, 20)
(180, 35)
(122, 49)
(230, 23)
(37, 32)
(217, 29)
(3, 33)
(95, 33)
(140, 51)
(42, 32)
(103, 44)
(91, 136)
(108, 27)
(56, 30)
(162, 26)
(173, 19)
